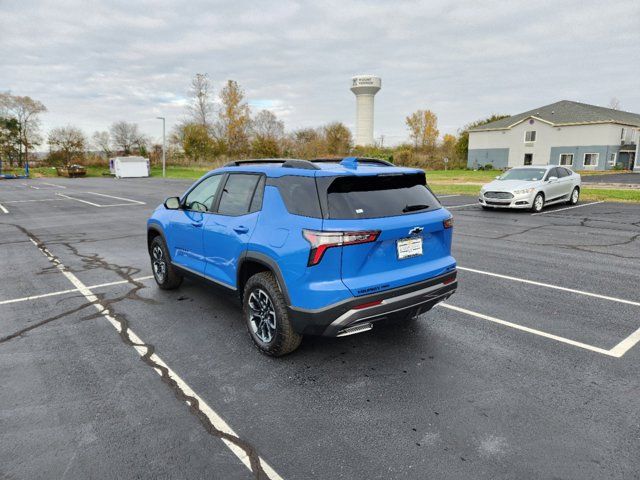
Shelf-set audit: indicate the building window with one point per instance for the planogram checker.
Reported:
(530, 136)
(566, 159)
(528, 158)
(591, 159)
(622, 132)
(612, 159)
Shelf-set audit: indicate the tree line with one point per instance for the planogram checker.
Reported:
(216, 128)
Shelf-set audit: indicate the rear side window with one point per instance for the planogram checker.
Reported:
(300, 195)
(237, 194)
(379, 196)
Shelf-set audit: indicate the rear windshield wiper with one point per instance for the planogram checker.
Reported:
(413, 208)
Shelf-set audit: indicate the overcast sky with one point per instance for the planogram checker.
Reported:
(92, 63)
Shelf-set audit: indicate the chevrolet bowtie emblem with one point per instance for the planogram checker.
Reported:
(416, 230)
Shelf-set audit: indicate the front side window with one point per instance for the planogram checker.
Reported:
(530, 136)
(562, 172)
(566, 159)
(202, 197)
(591, 159)
(237, 194)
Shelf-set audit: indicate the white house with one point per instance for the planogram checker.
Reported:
(564, 133)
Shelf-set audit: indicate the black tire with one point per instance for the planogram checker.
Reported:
(574, 197)
(265, 313)
(538, 203)
(164, 273)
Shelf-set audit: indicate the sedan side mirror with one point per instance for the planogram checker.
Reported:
(552, 179)
(172, 203)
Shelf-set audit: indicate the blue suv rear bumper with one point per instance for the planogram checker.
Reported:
(414, 299)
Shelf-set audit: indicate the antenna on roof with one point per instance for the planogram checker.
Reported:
(349, 162)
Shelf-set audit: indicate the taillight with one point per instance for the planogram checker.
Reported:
(448, 223)
(321, 241)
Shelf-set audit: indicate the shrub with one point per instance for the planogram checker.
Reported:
(488, 166)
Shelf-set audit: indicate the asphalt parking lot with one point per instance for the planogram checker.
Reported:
(531, 370)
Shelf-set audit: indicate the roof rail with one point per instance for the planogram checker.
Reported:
(376, 161)
(305, 164)
(237, 163)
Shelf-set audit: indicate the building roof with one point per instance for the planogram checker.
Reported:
(566, 112)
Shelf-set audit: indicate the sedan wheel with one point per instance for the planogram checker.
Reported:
(575, 196)
(538, 203)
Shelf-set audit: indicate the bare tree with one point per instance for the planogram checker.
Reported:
(69, 142)
(125, 136)
(266, 124)
(25, 110)
(102, 142)
(614, 103)
(201, 107)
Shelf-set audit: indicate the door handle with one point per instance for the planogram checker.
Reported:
(196, 224)
(240, 229)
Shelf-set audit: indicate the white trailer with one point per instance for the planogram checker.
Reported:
(129, 167)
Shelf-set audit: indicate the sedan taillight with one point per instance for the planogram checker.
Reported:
(321, 241)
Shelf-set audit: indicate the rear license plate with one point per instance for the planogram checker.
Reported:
(409, 247)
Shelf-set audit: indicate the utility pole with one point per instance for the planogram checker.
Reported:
(164, 160)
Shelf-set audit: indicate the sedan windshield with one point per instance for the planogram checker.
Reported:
(526, 174)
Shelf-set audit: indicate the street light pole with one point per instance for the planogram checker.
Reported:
(164, 161)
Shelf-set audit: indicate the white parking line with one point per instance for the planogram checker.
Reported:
(627, 344)
(460, 206)
(129, 201)
(31, 201)
(567, 208)
(548, 285)
(63, 292)
(540, 333)
(53, 185)
(141, 347)
(118, 198)
(4, 210)
(78, 200)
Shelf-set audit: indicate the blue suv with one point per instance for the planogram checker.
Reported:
(323, 247)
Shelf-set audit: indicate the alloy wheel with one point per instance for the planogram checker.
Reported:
(538, 203)
(159, 263)
(575, 196)
(262, 315)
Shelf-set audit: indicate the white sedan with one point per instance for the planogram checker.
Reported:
(532, 188)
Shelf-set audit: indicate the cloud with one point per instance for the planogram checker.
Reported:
(93, 63)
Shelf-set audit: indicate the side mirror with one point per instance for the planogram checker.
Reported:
(172, 203)
(553, 179)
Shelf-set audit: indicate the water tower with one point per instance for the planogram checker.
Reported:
(365, 87)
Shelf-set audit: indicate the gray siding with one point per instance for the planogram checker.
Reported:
(578, 155)
(498, 157)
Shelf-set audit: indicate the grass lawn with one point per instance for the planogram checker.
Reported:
(172, 172)
(443, 182)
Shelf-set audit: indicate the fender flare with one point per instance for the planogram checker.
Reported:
(267, 262)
